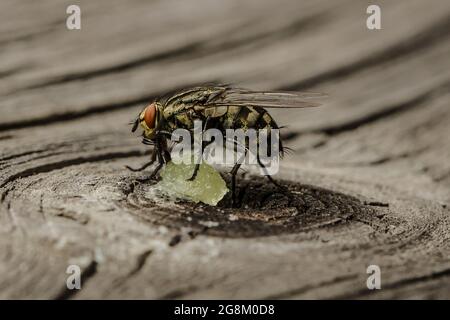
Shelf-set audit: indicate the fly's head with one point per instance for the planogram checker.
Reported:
(149, 120)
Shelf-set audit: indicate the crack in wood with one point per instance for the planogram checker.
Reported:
(423, 40)
(428, 37)
(43, 30)
(197, 49)
(408, 105)
(304, 289)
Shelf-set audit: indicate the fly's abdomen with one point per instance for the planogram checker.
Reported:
(222, 117)
(247, 117)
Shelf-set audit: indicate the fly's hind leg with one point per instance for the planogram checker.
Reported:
(156, 170)
(197, 165)
(233, 183)
(270, 177)
(233, 176)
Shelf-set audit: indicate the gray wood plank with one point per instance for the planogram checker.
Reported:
(369, 171)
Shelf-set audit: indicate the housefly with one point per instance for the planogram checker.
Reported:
(222, 107)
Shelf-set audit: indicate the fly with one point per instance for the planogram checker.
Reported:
(221, 107)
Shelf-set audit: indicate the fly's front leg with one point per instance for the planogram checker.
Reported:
(159, 166)
(233, 183)
(145, 165)
(155, 171)
(165, 151)
(159, 154)
(194, 174)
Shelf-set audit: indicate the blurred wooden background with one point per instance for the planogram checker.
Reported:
(378, 151)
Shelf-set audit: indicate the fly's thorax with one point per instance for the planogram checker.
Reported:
(180, 115)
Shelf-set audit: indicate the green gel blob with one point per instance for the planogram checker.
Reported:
(208, 187)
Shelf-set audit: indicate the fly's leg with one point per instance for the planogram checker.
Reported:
(160, 155)
(144, 166)
(268, 176)
(156, 170)
(233, 176)
(194, 174)
(233, 183)
(197, 165)
(165, 151)
(158, 167)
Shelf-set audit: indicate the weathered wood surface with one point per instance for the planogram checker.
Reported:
(370, 170)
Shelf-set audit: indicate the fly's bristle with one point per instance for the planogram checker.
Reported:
(286, 151)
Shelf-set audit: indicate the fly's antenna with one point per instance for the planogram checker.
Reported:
(135, 124)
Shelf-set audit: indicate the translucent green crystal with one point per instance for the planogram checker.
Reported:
(208, 187)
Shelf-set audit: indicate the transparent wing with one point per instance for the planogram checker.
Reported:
(267, 99)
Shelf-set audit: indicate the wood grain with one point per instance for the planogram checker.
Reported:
(369, 171)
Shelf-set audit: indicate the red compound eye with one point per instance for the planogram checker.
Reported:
(150, 115)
